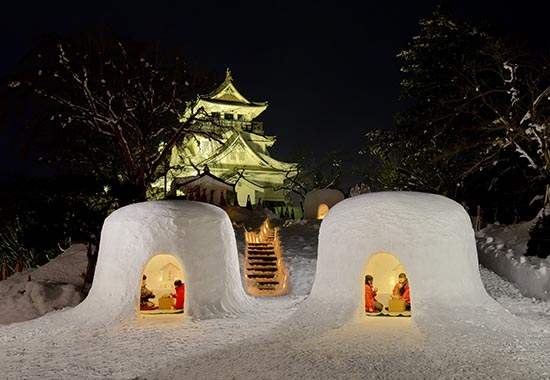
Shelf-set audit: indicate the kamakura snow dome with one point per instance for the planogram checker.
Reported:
(200, 236)
(430, 235)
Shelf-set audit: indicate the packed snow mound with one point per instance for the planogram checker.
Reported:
(53, 286)
(316, 198)
(201, 238)
(430, 235)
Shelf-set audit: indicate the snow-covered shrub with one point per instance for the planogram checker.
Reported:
(359, 189)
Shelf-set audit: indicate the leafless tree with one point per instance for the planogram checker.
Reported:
(135, 104)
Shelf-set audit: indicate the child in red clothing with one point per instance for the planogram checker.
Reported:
(402, 289)
(371, 304)
(179, 295)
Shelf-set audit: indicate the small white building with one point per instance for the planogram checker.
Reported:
(205, 188)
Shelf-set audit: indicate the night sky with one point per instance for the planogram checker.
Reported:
(328, 71)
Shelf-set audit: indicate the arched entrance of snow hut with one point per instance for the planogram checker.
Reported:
(161, 271)
(385, 269)
(322, 211)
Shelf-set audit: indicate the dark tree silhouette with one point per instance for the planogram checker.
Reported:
(130, 102)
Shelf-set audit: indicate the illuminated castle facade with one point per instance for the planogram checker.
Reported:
(238, 156)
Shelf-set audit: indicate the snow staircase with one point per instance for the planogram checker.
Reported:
(265, 272)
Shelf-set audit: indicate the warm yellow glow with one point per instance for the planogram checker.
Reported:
(265, 272)
(239, 143)
(322, 211)
(162, 270)
(385, 269)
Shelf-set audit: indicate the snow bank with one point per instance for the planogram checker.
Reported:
(502, 249)
(429, 234)
(53, 286)
(299, 241)
(200, 236)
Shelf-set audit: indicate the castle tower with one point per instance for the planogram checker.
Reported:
(237, 153)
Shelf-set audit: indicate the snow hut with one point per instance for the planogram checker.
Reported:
(429, 235)
(198, 235)
(318, 202)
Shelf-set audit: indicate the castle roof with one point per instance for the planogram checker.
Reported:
(227, 96)
(264, 161)
(206, 178)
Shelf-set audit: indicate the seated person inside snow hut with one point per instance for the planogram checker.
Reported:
(179, 295)
(146, 294)
(401, 291)
(371, 303)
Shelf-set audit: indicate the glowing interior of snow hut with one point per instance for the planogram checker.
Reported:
(322, 211)
(385, 269)
(160, 276)
(318, 202)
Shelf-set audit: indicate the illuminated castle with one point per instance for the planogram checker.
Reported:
(237, 157)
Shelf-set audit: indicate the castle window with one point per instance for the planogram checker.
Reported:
(240, 117)
(215, 115)
(228, 116)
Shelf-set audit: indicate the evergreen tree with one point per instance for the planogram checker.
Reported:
(456, 87)
(450, 69)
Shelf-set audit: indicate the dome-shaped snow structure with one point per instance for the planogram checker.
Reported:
(318, 202)
(430, 235)
(200, 236)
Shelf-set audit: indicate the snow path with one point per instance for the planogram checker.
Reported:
(50, 348)
(262, 346)
(511, 299)
(382, 349)
(499, 347)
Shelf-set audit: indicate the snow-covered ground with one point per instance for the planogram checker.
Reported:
(273, 342)
(502, 248)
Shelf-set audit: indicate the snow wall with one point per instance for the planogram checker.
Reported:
(533, 280)
(429, 234)
(200, 236)
(315, 198)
